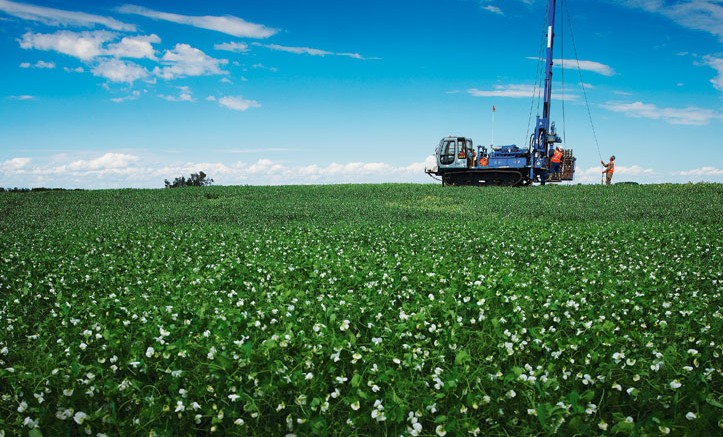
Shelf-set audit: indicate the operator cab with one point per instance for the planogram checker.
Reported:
(455, 152)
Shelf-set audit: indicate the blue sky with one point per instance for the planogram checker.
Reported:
(111, 94)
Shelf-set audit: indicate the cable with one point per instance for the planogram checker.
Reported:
(582, 85)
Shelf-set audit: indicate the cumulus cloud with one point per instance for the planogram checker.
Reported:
(134, 47)
(84, 45)
(59, 17)
(685, 116)
(109, 160)
(116, 70)
(236, 103)
(114, 169)
(14, 164)
(702, 171)
(227, 24)
(185, 60)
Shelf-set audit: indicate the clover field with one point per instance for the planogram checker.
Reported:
(362, 310)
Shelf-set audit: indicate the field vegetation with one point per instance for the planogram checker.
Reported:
(362, 310)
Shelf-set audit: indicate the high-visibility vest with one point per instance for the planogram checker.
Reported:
(556, 157)
(611, 167)
(483, 161)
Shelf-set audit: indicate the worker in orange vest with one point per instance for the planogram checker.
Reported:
(609, 169)
(555, 161)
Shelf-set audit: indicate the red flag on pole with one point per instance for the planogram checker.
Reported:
(493, 108)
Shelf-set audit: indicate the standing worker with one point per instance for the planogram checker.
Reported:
(609, 169)
(555, 161)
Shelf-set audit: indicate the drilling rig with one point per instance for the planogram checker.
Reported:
(458, 162)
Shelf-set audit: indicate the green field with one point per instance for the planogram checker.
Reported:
(362, 309)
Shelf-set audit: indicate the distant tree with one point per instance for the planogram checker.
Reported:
(195, 180)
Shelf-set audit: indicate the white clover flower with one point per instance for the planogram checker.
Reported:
(602, 425)
(692, 352)
(664, 430)
(344, 325)
(617, 387)
(64, 414)
(355, 406)
(180, 407)
(234, 397)
(80, 417)
(341, 379)
(675, 384)
(441, 432)
(511, 394)
(691, 415)
(239, 422)
(150, 351)
(375, 340)
(195, 406)
(22, 407)
(30, 423)
(82, 346)
(532, 412)
(308, 376)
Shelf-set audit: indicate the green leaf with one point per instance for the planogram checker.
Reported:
(462, 357)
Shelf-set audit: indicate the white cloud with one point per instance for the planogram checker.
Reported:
(227, 24)
(183, 96)
(238, 47)
(134, 47)
(686, 116)
(704, 15)
(39, 64)
(59, 17)
(237, 103)
(107, 161)
(525, 91)
(493, 9)
(133, 96)
(15, 164)
(595, 67)
(185, 61)
(116, 70)
(22, 97)
(515, 91)
(74, 70)
(717, 64)
(82, 45)
(574, 64)
(702, 171)
(307, 51)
